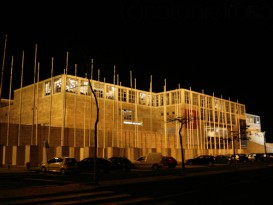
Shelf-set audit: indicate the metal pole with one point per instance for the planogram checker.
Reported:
(3, 66)
(266, 160)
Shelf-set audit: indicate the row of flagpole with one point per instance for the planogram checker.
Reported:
(35, 102)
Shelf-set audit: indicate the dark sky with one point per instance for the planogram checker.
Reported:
(221, 47)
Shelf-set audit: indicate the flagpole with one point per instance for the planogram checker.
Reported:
(151, 103)
(136, 114)
(50, 107)
(64, 101)
(75, 105)
(165, 115)
(20, 108)
(3, 65)
(37, 103)
(10, 84)
(91, 69)
(114, 95)
(33, 103)
(90, 124)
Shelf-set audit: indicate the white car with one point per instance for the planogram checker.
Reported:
(153, 160)
(61, 165)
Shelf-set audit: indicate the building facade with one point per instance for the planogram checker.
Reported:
(62, 115)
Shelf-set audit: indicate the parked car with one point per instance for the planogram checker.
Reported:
(103, 165)
(251, 157)
(240, 157)
(122, 163)
(222, 159)
(260, 157)
(60, 165)
(201, 160)
(152, 160)
(169, 161)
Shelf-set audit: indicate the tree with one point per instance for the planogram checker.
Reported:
(182, 120)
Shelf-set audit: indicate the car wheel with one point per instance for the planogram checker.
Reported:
(43, 169)
(62, 172)
(155, 167)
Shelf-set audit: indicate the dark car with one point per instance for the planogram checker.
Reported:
(222, 159)
(122, 163)
(103, 165)
(240, 158)
(169, 161)
(201, 160)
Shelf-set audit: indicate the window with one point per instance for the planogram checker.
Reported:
(227, 107)
(187, 97)
(48, 88)
(57, 85)
(72, 85)
(142, 98)
(110, 92)
(175, 98)
(122, 94)
(132, 96)
(84, 87)
(195, 99)
(202, 100)
(209, 102)
(98, 89)
(127, 114)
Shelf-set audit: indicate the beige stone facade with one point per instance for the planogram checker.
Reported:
(62, 111)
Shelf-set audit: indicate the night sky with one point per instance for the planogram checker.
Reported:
(224, 48)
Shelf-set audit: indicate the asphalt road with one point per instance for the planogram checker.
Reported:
(248, 183)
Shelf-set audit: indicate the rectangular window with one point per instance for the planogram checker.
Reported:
(187, 97)
(242, 109)
(175, 98)
(57, 85)
(47, 88)
(227, 107)
(122, 94)
(161, 100)
(232, 108)
(110, 92)
(167, 99)
(72, 85)
(228, 118)
(195, 99)
(98, 90)
(127, 114)
(209, 102)
(142, 98)
(84, 88)
(202, 100)
(132, 96)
